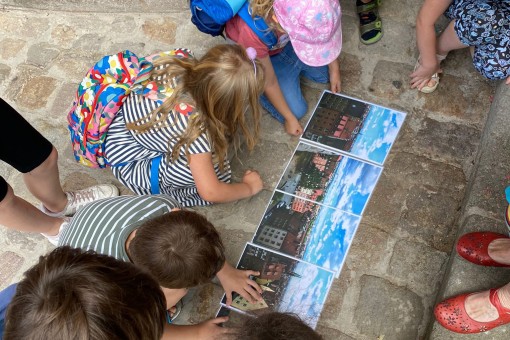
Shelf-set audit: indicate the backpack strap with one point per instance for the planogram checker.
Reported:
(155, 175)
(258, 26)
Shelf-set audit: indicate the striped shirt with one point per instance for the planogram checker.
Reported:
(135, 152)
(105, 225)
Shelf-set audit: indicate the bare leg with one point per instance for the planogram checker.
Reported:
(448, 40)
(16, 213)
(479, 308)
(44, 183)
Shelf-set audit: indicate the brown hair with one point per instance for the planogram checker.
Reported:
(277, 326)
(224, 85)
(181, 249)
(73, 294)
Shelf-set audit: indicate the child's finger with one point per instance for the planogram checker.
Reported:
(252, 273)
(252, 294)
(229, 298)
(219, 319)
(255, 285)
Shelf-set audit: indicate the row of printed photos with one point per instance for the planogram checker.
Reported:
(309, 224)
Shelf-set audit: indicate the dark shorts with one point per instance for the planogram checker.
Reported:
(21, 145)
(485, 24)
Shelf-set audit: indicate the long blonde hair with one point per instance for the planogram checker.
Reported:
(262, 8)
(224, 85)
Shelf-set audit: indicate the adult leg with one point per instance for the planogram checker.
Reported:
(16, 213)
(35, 157)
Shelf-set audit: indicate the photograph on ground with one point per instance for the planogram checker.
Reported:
(335, 180)
(362, 129)
(289, 285)
(307, 231)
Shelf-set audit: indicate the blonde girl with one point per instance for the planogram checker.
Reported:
(309, 42)
(179, 147)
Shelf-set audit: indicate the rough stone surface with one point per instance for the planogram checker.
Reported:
(4, 72)
(42, 54)
(10, 264)
(416, 208)
(399, 308)
(162, 31)
(483, 211)
(423, 268)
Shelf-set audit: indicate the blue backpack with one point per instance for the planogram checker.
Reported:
(210, 16)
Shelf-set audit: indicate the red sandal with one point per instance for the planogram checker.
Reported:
(452, 315)
(474, 247)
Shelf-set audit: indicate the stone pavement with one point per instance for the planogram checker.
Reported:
(401, 252)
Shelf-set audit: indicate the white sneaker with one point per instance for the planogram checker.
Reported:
(55, 238)
(80, 198)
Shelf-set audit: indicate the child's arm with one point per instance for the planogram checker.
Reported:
(235, 280)
(334, 76)
(274, 93)
(211, 189)
(426, 40)
(206, 330)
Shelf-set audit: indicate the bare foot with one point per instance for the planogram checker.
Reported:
(499, 250)
(479, 307)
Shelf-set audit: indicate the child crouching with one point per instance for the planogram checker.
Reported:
(180, 249)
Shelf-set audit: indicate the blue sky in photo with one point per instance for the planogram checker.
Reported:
(351, 185)
(330, 237)
(305, 296)
(378, 134)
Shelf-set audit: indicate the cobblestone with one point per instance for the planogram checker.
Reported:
(407, 234)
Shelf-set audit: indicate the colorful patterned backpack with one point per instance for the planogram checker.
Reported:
(101, 94)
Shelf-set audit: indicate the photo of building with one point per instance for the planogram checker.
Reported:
(285, 282)
(362, 129)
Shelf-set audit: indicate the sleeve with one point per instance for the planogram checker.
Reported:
(169, 201)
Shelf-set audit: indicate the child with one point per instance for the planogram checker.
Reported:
(180, 249)
(483, 25)
(72, 294)
(36, 158)
(315, 34)
(191, 130)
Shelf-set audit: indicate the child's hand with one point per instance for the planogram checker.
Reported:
(252, 179)
(235, 280)
(292, 127)
(507, 81)
(422, 75)
(211, 329)
(334, 76)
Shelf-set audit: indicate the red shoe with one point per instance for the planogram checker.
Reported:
(451, 314)
(474, 248)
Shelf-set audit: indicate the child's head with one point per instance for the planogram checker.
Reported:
(314, 28)
(72, 294)
(224, 86)
(277, 326)
(181, 249)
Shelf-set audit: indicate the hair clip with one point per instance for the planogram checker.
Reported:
(252, 54)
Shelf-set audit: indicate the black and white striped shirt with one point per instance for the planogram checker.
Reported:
(135, 152)
(104, 225)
